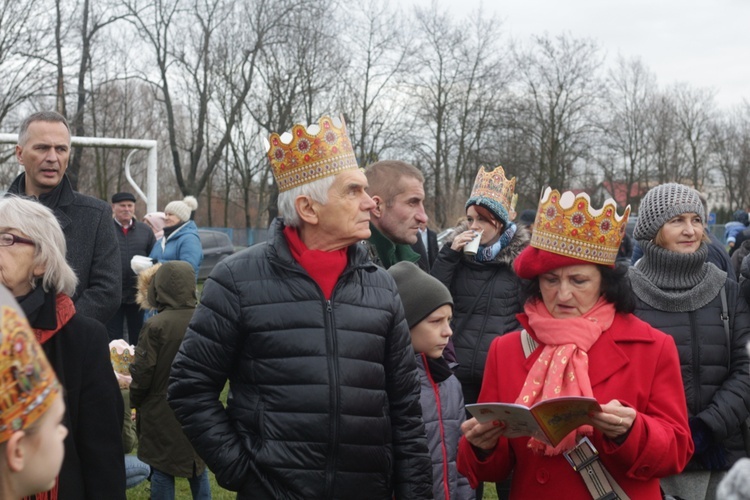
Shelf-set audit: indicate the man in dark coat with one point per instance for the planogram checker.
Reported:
(44, 149)
(312, 338)
(426, 246)
(135, 238)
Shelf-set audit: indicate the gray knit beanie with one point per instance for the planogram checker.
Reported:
(661, 204)
(420, 293)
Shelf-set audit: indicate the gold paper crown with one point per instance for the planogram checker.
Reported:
(121, 354)
(495, 192)
(28, 385)
(310, 153)
(567, 225)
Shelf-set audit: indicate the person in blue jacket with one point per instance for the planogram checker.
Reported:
(180, 240)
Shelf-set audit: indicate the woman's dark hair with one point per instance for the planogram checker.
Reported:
(615, 288)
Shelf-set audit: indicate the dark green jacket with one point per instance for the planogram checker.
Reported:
(161, 442)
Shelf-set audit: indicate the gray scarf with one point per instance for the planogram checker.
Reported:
(675, 282)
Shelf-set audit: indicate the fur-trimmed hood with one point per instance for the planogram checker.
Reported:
(169, 285)
(508, 254)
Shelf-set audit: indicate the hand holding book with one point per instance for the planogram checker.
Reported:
(548, 421)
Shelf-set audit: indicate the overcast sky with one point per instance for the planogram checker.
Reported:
(704, 43)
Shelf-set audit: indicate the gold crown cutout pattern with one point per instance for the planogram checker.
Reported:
(27, 382)
(494, 185)
(310, 153)
(566, 224)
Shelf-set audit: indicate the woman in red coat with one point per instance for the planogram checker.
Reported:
(580, 339)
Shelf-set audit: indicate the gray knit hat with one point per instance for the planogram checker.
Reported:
(420, 293)
(182, 208)
(661, 204)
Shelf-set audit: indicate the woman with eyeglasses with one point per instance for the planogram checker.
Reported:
(33, 268)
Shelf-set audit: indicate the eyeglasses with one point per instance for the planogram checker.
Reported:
(8, 239)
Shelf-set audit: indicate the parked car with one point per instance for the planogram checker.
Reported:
(216, 245)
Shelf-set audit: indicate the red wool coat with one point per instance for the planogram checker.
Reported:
(631, 362)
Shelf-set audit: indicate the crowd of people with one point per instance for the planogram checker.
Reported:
(362, 360)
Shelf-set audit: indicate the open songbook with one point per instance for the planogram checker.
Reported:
(548, 421)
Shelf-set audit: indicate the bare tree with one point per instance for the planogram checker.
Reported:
(187, 40)
(377, 39)
(456, 94)
(694, 111)
(94, 17)
(558, 96)
(730, 150)
(23, 54)
(625, 133)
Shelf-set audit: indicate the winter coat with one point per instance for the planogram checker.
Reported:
(443, 413)
(631, 362)
(161, 442)
(183, 244)
(94, 463)
(139, 240)
(717, 389)
(93, 252)
(492, 312)
(427, 253)
(324, 394)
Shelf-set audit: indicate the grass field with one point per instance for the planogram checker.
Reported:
(182, 491)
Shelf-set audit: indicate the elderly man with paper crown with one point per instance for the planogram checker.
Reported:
(579, 339)
(313, 340)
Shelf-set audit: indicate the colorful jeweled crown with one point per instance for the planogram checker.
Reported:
(566, 224)
(28, 384)
(310, 153)
(494, 191)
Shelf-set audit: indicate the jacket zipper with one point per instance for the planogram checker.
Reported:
(335, 401)
(439, 406)
(333, 367)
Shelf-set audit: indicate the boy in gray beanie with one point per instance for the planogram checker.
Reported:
(429, 308)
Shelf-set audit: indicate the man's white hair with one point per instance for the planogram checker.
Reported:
(317, 190)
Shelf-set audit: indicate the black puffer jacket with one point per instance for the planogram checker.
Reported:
(495, 310)
(324, 394)
(716, 393)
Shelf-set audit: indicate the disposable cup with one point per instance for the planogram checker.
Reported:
(471, 247)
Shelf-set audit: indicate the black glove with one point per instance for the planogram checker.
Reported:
(714, 458)
(701, 434)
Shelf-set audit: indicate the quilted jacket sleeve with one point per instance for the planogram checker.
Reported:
(730, 404)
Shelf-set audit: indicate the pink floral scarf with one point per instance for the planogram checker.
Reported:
(563, 366)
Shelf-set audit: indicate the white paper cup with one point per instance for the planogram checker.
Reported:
(471, 247)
